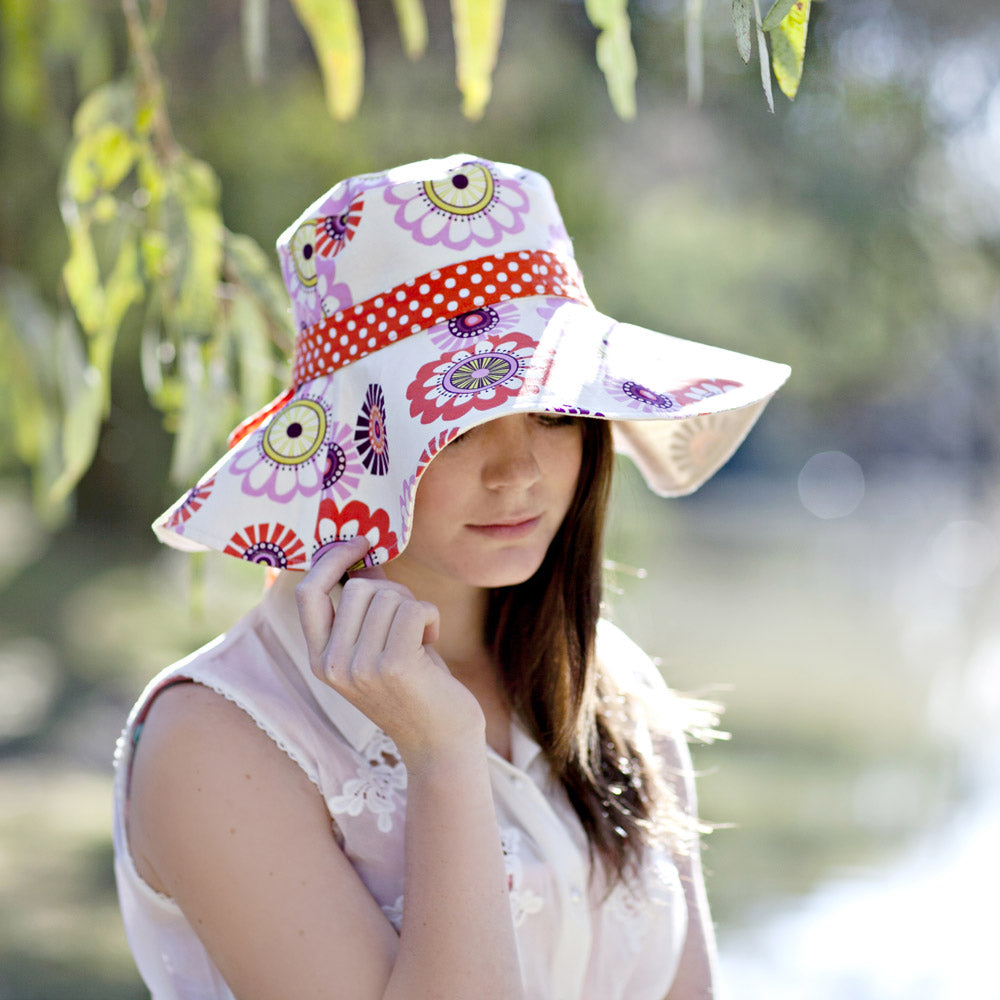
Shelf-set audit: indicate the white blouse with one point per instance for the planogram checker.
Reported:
(575, 942)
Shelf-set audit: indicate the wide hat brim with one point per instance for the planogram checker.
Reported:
(344, 454)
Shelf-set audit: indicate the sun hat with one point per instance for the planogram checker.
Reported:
(427, 299)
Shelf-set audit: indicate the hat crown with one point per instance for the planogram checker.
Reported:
(372, 233)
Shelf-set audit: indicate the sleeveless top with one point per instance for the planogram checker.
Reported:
(575, 941)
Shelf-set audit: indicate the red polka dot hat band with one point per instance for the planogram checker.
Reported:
(428, 299)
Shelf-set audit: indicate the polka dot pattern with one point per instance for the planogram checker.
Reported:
(430, 300)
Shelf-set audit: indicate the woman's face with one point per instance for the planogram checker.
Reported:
(490, 503)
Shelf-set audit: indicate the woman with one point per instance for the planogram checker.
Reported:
(442, 777)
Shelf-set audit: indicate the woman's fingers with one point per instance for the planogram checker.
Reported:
(312, 594)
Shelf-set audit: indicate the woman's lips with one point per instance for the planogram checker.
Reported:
(507, 530)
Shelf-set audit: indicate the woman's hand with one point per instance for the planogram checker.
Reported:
(376, 650)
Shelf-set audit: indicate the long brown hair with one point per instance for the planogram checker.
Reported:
(544, 632)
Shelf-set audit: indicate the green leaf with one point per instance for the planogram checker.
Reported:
(192, 232)
(23, 78)
(82, 278)
(335, 32)
(765, 65)
(206, 413)
(122, 290)
(253, 22)
(788, 48)
(693, 54)
(27, 424)
(248, 332)
(99, 161)
(114, 102)
(742, 17)
(777, 13)
(478, 27)
(412, 20)
(251, 267)
(84, 394)
(615, 55)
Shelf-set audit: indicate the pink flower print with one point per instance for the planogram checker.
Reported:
(381, 777)
(406, 498)
(480, 377)
(192, 503)
(343, 466)
(468, 206)
(288, 454)
(339, 524)
(459, 330)
(271, 545)
(333, 297)
(640, 397)
(559, 240)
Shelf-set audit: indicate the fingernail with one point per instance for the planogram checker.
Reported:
(360, 564)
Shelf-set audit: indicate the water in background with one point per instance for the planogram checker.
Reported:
(888, 582)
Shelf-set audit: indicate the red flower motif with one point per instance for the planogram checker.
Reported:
(268, 544)
(335, 524)
(479, 377)
(192, 502)
(433, 447)
(694, 392)
(333, 232)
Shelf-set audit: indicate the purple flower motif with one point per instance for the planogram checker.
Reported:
(640, 397)
(370, 434)
(407, 496)
(461, 329)
(343, 467)
(468, 206)
(287, 455)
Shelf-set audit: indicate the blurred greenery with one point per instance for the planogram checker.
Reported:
(853, 234)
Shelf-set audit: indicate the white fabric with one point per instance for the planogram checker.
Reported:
(574, 944)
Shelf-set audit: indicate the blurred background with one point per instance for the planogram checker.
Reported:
(836, 587)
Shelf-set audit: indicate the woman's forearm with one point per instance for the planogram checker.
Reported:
(457, 938)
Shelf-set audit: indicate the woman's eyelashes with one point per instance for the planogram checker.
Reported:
(547, 420)
(553, 419)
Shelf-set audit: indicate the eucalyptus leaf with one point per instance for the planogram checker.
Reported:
(334, 29)
(693, 54)
(788, 48)
(83, 393)
(82, 278)
(765, 65)
(253, 22)
(248, 330)
(123, 289)
(742, 19)
(478, 27)
(412, 20)
(250, 266)
(99, 161)
(615, 54)
(778, 12)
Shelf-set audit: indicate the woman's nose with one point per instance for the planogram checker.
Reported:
(508, 454)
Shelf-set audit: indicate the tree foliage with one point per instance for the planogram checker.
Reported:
(145, 231)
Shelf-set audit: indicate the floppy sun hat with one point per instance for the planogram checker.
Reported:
(428, 299)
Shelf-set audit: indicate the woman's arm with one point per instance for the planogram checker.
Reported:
(223, 821)
(696, 974)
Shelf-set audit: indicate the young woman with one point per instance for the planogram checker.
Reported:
(424, 767)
